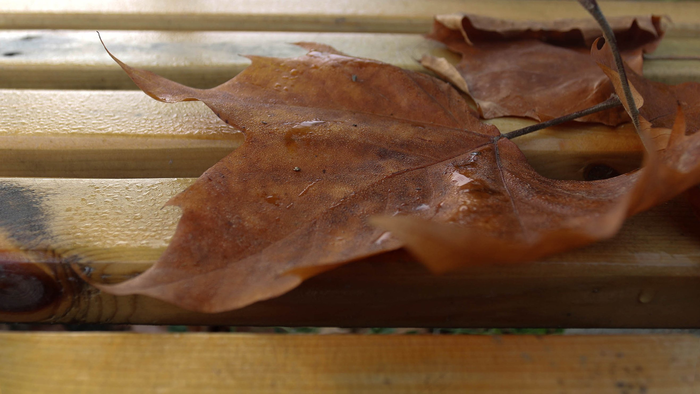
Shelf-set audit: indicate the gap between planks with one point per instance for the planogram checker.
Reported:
(76, 60)
(308, 15)
(223, 363)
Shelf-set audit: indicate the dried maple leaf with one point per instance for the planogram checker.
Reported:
(540, 70)
(332, 141)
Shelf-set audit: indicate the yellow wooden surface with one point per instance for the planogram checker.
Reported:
(239, 363)
(123, 220)
(115, 228)
(112, 229)
(76, 59)
(45, 59)
(118, 134)
(304, 15)
(108, 220)
(107, 134)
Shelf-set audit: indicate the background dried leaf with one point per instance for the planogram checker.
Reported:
(540, 70)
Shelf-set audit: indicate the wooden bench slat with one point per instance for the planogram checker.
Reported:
(126, 134)
(107, 134)
(76, 60)
(83, 215)
(224, 363)
(109, 157)
(113, 229)
(305, 15)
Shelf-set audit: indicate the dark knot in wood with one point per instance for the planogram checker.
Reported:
(26, 287)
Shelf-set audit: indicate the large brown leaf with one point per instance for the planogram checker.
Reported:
(332, 141)
(540, 70)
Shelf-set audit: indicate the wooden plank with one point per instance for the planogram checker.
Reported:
(648, 275)
(76, 60)
(305, 15)
(119, 134)
(107, 134)
(224, 363)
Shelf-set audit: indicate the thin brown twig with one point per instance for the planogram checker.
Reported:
(612, 102)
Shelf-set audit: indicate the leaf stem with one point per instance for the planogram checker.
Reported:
(612, 102)
(592, 7)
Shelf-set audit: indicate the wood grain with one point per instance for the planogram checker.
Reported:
(111, 230)
(76, 60)
(224, 363)
(398, 16)
(118, 134)
(107, 134)
(53, 231)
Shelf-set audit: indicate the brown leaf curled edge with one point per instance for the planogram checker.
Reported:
(539, 70)
(675, 167)
(334, 143)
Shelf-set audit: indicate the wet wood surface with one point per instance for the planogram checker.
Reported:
(120, 134)
(397, 16)
(85, 173)
(60, 59)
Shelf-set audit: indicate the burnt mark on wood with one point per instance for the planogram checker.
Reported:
(22, 216)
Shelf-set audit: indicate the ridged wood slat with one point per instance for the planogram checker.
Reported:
(41, 59)
(120, 134)
(397, 16)
(223, 363)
